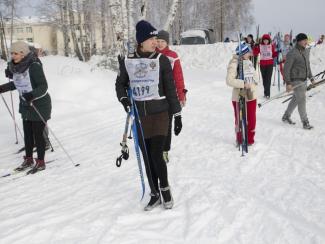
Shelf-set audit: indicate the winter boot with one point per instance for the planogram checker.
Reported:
(168, 200)
(306, 125)
(165, 156)
(40, 165)
(287, 119)
(28, 162)
(154, 202)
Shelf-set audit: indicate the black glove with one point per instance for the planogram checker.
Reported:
(8, 73)
(178, 124)
(126, 104)
(28, 97)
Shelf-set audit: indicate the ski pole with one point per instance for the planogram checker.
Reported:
(60, 144)
(11, 115)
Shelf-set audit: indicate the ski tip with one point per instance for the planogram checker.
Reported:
(77, 165)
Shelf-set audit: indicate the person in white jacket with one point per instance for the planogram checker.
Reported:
(246, 87)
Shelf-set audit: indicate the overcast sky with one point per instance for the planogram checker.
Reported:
(283, 15)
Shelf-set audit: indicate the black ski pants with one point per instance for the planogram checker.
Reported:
(155, 163)
(33, 135)
(266, 72)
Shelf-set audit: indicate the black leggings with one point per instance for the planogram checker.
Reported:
(266, 72)
(33, 135)
(155, 164)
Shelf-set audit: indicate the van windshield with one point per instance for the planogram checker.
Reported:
(192, 40)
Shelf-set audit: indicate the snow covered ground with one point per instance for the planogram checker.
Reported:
(273, 195)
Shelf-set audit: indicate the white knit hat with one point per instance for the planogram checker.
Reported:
(20, 47)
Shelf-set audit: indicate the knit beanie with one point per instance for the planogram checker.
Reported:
(244, 48)
(163, 35)
(20, 47)
(144, 31)
(301, 36)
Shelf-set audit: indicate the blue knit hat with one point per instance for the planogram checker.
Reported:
(144, 31)
(244, 49)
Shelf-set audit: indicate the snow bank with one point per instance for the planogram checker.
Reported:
(205, 57)
(216, 56)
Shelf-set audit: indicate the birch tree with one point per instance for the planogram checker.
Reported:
(171, 15)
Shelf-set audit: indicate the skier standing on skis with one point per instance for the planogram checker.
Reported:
(163, 48)
(296, 72)
(247, 88)
(267, 52)
(29, 79)
(149, 75)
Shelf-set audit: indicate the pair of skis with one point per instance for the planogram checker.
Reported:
(241, 111)
(22, 172)
(136, 128)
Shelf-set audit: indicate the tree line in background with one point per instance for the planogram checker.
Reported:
(104, 26)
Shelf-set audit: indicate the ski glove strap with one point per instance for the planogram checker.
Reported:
(178, 124)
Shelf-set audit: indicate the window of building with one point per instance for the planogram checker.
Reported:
(29, 39)
(19, 30)
(29, 29)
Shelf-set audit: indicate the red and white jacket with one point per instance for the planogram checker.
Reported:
(177, 72)
(269, 50)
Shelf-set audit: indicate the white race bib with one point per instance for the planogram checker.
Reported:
(22, 82)
(144, 78)
(249, 71)
(266, 52)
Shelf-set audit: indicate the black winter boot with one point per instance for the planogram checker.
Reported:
(287, 119)
(154, 202)
(168, 200)
(306, 125)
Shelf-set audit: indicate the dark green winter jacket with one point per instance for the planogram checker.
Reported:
(41, 98)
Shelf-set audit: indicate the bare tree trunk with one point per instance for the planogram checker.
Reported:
(81, 36)
(2, 39)
(172, 14)
(87, 24)
(73, 32)
(64, 22)
(103, 25)
(144, 9)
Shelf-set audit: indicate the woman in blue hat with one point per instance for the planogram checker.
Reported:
(246, 87)
(150, 77)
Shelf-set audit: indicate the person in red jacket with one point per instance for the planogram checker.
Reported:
(267, 54)
(162, 47)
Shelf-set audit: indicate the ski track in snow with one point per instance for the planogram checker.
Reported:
(275, 194)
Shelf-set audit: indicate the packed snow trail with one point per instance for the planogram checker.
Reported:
(275, 194)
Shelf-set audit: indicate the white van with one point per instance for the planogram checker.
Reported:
(197, 36)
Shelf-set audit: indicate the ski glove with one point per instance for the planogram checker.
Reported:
(178, 124)
(28, 97)
(126, 104)
(8, 73)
